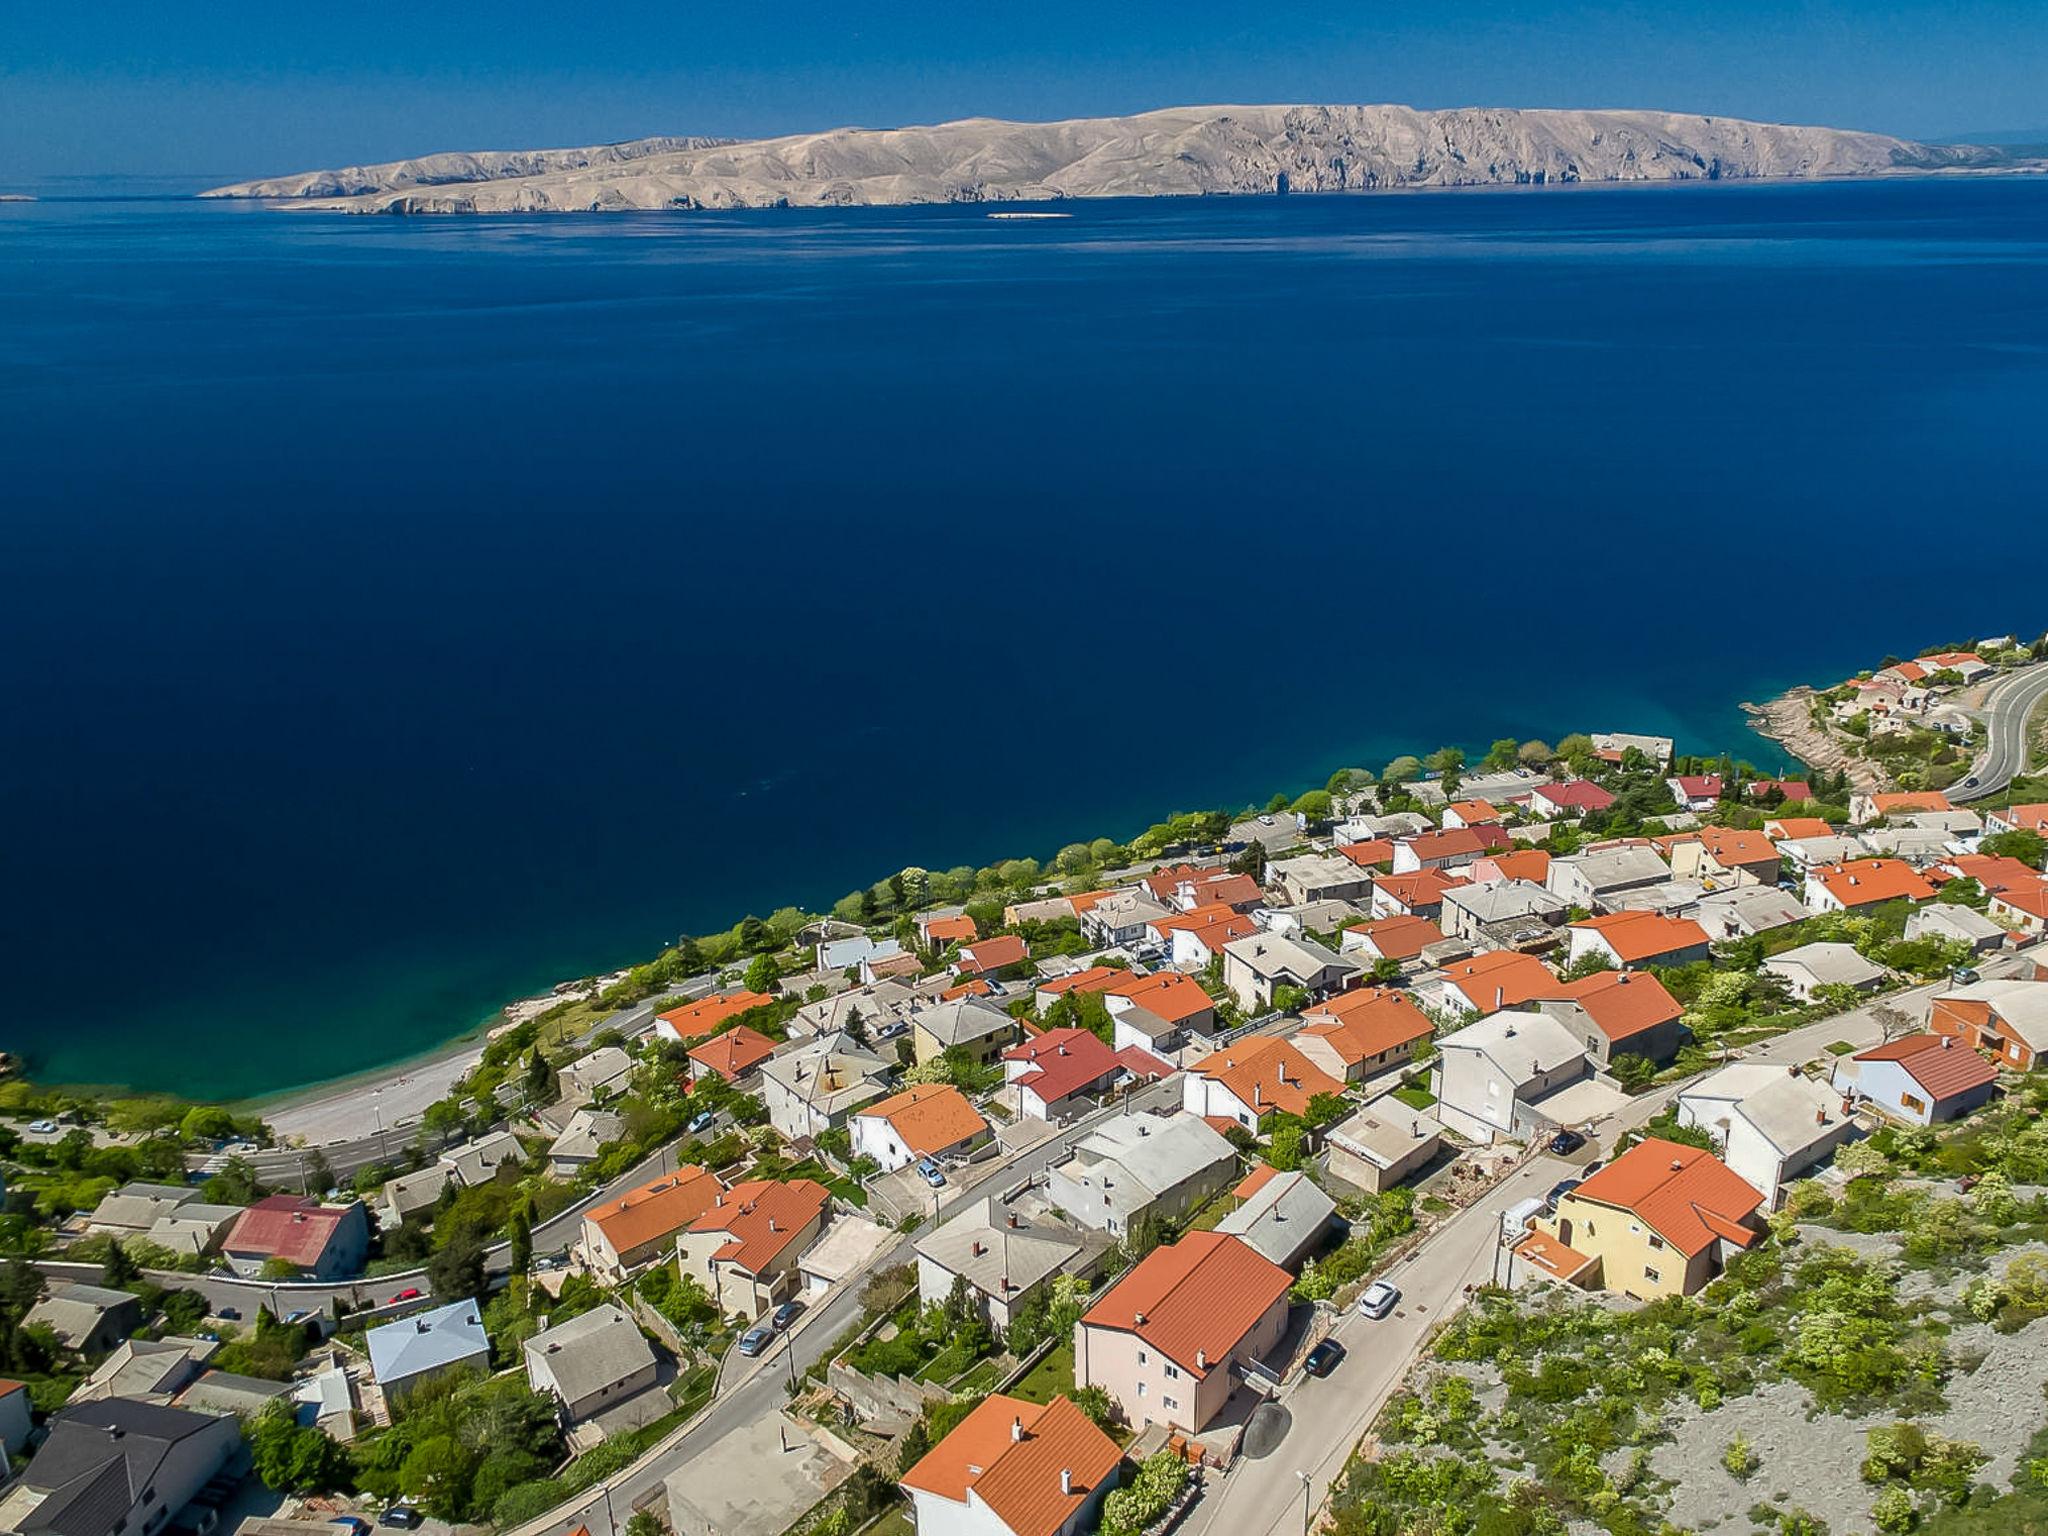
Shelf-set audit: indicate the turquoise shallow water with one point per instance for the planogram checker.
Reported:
(399, 616)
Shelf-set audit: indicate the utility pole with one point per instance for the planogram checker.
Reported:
(1306, 1487)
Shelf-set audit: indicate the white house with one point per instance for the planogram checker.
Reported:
(1135, 1166)
(1922, 1079)
(1489, 1076)
(1824, 963)
(1770, 1124)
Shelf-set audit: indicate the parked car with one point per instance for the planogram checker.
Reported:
(1324, 1358)
(1378, 1299)
(933, 1174)
(701, 1122)
(755, 1339)
(785, 1314)
(295, 1318)
(355, 1525)
(403, 1516)
(229, 1314)
(1566, 1141)
(1558, 1191)
(42, 1127)
(1965, 976)
(410, 1293)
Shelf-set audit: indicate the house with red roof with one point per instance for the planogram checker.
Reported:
(2018, 818)
(1452, 848)
(1868, 806)
(1619, 1013)
(1636, 938)
(1718, 857)
(1158, 1013)
(939, 930)
(1784, 789)
(1921, 1079)
(925, 1120)
(1574, 797)
(743, 1247)
(1373, 853)
(1246, 1081)
(1052, 1073)
(1531, 864)
(1658, 1221)
(1362, 1033)
(1695, 791)
(1014, 1468)
(1169, 1341)
(1416, 895)
(1195, 940)
(319, 1242)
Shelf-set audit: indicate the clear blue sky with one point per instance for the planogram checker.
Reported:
(234, 88)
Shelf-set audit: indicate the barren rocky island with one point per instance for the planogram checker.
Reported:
(1177, 152)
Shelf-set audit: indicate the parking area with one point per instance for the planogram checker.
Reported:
(759, 1479)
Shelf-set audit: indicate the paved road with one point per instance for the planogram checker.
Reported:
(760, 1387)
(1264, 1497)
(2008, 706)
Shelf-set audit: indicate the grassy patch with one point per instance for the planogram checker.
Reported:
(1840, 1048)
(1415, 1096)
(1052, 1377)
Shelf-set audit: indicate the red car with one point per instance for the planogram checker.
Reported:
(410, 1293)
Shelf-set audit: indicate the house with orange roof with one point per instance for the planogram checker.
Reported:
(2008, 1018)
(2022, 906)
(1867, 806)
(694, 1021)
(1531, 864)
(1722, 856)
(1995, 872)
(2019, 818)
(14, 1416)
(930, 1120)
(624, 1233)
(1497, 979)
(1400, 939)
(1014, 1468)
(1184, 888)
(731, 1055)
(1637, 938)
(1361, 1033)
(743, 1248)
(1658, 1221)
(1252, 1078)
(1453, 848)
(1169, 1341)
(1619, 1013)
(1375, 853)
(1921, 1079)
(1791, 828)
(1195, 940)
(1856, 883)
(1158, 1013)
(938, 930)
(987, 957)
(1471, 813)
(1418, 895)
(1695, 791)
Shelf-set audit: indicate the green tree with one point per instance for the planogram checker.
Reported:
(119, 1268)
(1284, 1146)
(1445, 760)
(1501, 755)
(1314, 805)
(294, 1458)
(2027, 846)
(456, 1271)
(763, 974)
(1404, 769)
(519, 1233)
(1534, 754)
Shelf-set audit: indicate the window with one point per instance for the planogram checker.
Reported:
(1173, 1373)
(1656, 1241)
(1143, 1357)
(1141, 1389)
(1168, 1402)
(1651, 1275)
(1917, 1105)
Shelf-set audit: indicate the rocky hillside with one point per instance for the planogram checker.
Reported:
(1182, 151)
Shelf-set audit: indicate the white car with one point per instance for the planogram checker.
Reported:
(1378, 1299)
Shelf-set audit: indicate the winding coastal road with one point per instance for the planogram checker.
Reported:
(2008, 706)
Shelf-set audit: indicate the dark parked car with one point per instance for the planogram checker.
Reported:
(785, 1314)
(229, 1314)
(1566, 1142)
(404, 1516)
(755, 1339)
(1324, 1358)
(1558, 1191)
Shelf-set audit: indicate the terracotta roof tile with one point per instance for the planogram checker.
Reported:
(695, 1020)
(1939, 1063)
(1264, 1073)
(993, 954)
(1501, 978)
(761, 1218)
(655, 1209)
(1622, 1003)
(929, 1117)
(1867, 882)
(1400, 938)
(1012, 1454)
(1167, 994)
(1688, 1197)
(1195, 1300)
(1637, 936)
(1365, 1021)
(735, 1053)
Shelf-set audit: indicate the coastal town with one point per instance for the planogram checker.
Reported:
(1579, 1136)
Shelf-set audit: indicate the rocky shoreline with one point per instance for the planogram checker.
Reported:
(1788, 721)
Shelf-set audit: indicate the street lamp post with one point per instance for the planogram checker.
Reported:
(1305, 1489)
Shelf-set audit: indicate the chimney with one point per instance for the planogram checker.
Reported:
(1016, 1429)
(1013, 1221)
(1677, 1164)
(771, 1225)
(1066, 1480)
(1138, 1319)
(1201, 1359)
(975, 1250)
(1500, 997)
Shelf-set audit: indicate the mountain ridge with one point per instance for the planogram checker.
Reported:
(1175, 151)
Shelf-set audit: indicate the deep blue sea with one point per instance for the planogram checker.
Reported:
(399, 616)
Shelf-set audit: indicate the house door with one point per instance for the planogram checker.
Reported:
(1564, 1230)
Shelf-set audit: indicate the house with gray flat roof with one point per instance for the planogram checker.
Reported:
(1005, 1255)
(1282, 1215)
(133, 1209)
(1825, 963)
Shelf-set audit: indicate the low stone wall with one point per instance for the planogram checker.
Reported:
(881, 1397)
